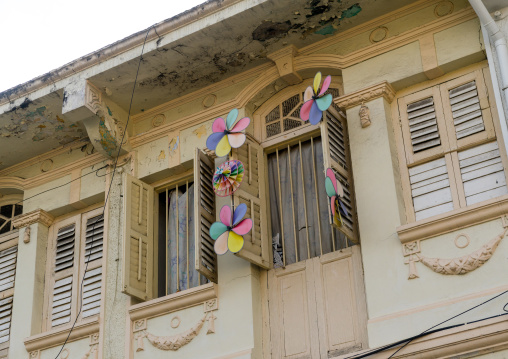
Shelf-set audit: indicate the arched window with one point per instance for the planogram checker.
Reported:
(7, 212)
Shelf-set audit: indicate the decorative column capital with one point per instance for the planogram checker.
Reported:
(357, 98)
(37, 216)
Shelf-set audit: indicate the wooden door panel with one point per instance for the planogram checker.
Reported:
(293, 312)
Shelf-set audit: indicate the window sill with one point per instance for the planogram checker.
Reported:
(58, 335)
(453, 220)
(172, 302)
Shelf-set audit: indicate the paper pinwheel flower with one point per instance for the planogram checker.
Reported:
(334, 190)
(227, 178)
(225, 135)
(228, 233)
(315, 102)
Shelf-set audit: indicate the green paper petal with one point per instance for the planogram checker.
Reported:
(330, 190)
(216, 229)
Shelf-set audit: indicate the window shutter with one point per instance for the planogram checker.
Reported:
(257, 246)
(5, 319)
(204, 215)
(8, 267)
(92, 292)
(466, 110)
(92, 254)
(137, 278)
(64, 266)
(336, 155)
(430, 189)
(482, 173)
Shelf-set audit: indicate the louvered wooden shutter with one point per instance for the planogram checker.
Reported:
(336, 155)
(137, 264)
(92, 254)
(423, 124)
(204, 215)
(466, 110)
(61, 307)
(482, 173)
(8, 267)
(430, 189)
(5, 319)
(257, 246)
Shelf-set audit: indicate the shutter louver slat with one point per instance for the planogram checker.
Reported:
(5, 319)
(423, 127)
(94, 238)
(430, 189)
(204, 215)
(92, 292)
(466, 110)
(482, 173)
(61, 304)
(65, 241)
(8, 259)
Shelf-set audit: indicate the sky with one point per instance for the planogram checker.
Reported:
(41, 35)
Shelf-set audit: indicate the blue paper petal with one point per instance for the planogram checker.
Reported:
(213, 140)
(324, 102)
(315, 114)
(342, 208)
(239, 213)
(230, 120)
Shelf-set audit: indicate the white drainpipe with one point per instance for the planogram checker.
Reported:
(499, 42)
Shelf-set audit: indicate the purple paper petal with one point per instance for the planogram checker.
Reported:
(213, 140)
(239, 213)
(315, 114)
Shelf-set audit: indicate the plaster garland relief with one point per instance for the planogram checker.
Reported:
(175, 342)
(453, 266)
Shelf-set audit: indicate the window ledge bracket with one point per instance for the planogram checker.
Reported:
(453, 220)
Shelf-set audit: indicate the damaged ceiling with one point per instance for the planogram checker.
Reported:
(206, 56)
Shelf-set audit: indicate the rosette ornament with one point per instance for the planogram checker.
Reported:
(315, 101)
(228, 233)
(335, 191)
(227, 134)
(227, 178)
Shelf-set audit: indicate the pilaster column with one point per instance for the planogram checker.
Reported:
(29, 280)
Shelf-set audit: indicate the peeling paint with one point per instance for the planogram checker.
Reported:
(200, 131)
(351, 11)
(173, 145)
(107, 141)
(268, 30)
(161, 156)
(326, 30)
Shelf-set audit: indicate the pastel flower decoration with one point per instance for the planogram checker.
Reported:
(335, 191)
(227, 134)
(227, 178)
(228, 233)
(315, 101)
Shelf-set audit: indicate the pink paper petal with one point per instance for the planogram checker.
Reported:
(243, 227)
(241, 125)
(326, 84)
(332, 205)
(236, 139)
(305, 110)
(225, 215)
(221, 244)
(331, 175)
(219, 125)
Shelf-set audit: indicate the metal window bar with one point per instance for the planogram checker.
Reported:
(178, 247)
(294, 202)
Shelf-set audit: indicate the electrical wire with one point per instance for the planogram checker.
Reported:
(432, 330)
(108, 192)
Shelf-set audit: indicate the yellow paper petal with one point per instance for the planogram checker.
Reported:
(223, 147)
(235, 242)
(317, 82)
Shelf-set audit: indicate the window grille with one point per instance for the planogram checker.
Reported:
(176, 268)
(7, 213)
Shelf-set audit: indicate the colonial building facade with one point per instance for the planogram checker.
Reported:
(106, 195)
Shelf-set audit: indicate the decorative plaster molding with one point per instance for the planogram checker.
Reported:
(93, 352)
(364, 114)
(37, 216)
(13, 183)
(58, 336)
(453, 266)
(357, 98)
(26, 235)
(175, 342)
(283, 59)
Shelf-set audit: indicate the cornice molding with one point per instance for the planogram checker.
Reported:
(57, 337)
(13, 183)
(357, 98)
(453, 220)
(37, 216)
(177, 301)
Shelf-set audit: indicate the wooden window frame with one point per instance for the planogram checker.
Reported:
(450, 146)
(77, 271)
(8, 240)
(303, 133)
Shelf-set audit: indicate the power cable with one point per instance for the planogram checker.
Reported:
(100, 217)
